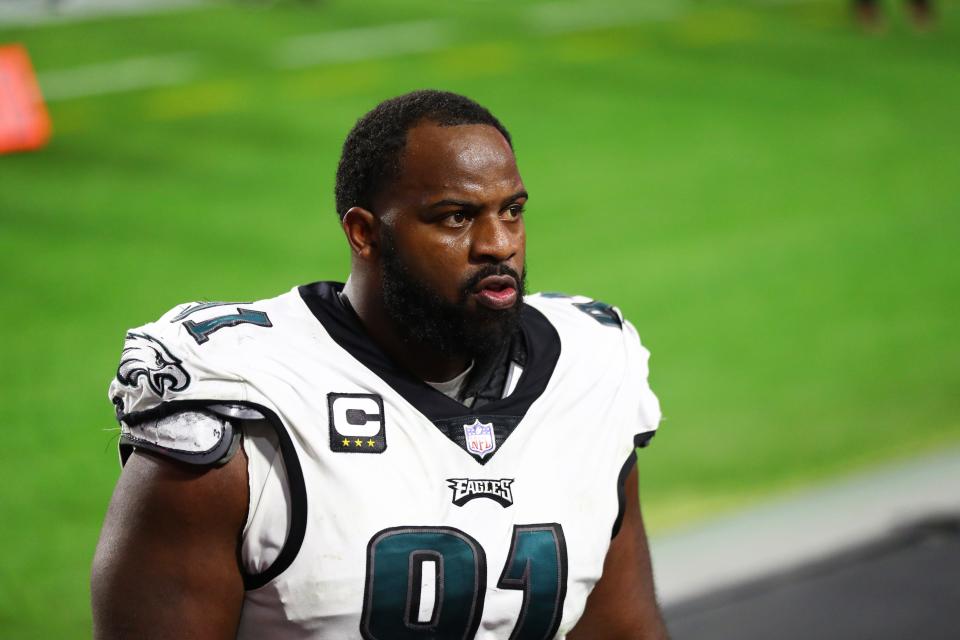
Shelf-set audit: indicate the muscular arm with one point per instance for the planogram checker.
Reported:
(622, 605)
(166, 565)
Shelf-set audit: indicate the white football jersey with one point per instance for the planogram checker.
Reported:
(405, 513)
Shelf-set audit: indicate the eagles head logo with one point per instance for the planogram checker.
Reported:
(145, 357)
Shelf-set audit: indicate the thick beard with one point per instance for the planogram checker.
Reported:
(422, 316)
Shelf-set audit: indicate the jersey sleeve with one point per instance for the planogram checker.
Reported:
(170, 398)
(646, 418)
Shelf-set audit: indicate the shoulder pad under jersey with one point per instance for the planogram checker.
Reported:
(600, 334)
(173, 396)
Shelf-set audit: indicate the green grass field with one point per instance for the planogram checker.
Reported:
(770, 195)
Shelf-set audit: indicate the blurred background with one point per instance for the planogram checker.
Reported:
(767, 188)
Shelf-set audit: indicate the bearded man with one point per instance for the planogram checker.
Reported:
(422, 452)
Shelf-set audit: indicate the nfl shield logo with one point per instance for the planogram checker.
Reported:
(480, 438)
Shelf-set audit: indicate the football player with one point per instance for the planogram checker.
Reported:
(421, 452)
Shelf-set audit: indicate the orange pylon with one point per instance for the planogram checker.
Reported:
(24, 123)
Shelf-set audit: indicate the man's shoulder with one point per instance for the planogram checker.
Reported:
(597, 339)
(594, 329)
(206, 327)
(199, 320)
(196, 348)
(577, 313)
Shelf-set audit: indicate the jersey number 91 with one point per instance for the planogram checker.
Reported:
(430, 582)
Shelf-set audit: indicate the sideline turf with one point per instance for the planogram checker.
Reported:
(768, 194)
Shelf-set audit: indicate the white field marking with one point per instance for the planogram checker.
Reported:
(30, 13)
(347, 45)
(365, 43)
(117, 77)
(569, 17)
(804, 527)
(774, 3)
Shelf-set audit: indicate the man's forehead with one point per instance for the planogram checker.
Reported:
(461, 159)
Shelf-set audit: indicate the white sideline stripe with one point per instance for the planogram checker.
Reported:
(569, 17)
(366, 43)
(116, 77)
(346, 45)
(804, 528)
(28, 13)
(774, 3)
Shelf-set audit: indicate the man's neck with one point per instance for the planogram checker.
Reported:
(423, 361)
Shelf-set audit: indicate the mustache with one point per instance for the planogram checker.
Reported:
(490, 270)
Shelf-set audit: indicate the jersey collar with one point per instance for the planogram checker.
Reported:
(542, 352)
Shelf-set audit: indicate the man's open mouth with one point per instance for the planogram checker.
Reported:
(497, 292)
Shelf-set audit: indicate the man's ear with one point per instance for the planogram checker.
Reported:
(362, 229)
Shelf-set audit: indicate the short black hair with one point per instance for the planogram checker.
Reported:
(372, 150)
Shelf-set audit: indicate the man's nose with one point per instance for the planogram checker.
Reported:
(495, 239)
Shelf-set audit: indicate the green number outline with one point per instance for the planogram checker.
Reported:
(529, 628)
(526, 569)
(479, 560)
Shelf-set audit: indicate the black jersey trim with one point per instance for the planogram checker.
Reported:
(543, 352)
(622, 491)
(641, 440)
(298, 491)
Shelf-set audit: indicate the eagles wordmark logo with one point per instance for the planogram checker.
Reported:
(146, 357)
(467, 489)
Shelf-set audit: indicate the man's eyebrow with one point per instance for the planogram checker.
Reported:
(450, 202)
(518, 195)
(466, 204)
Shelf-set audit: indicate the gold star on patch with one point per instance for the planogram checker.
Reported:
(359, 442)
(346, 442)
(370, 443)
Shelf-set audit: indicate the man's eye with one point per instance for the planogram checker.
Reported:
(515, 210)
(457, 217)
